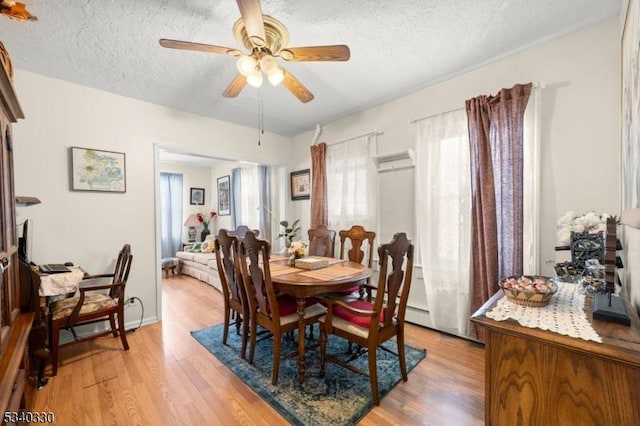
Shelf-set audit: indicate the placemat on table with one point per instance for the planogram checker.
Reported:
(331, 272)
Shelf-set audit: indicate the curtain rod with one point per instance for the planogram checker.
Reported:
(415, 120)
(373, 133)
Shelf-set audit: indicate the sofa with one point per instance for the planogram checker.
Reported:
(199, 260)
(199, 265)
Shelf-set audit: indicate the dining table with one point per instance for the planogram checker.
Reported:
(303, 284)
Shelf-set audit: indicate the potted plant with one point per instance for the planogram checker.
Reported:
(289, 232)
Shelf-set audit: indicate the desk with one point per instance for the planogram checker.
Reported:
(303, 284)
(537, 377)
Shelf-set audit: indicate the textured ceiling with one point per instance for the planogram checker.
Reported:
(397, 46)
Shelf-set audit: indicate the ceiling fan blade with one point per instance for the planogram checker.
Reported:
(199, 47)
(235, 87)
(251, 12)
(294, 86)
(338, 52)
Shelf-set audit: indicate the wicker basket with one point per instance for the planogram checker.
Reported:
(528, 297)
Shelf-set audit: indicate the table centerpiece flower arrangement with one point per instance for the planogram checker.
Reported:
(205, 221)
(589, 222)
(296, 251)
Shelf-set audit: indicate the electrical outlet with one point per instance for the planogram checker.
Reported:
(130, 301)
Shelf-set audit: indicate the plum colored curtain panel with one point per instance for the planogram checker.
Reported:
(318, 185)
(443, 202)
(171, 219)
(351, 191)
(264, 202)
(496, 147)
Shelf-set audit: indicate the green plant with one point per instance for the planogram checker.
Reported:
(289, 231)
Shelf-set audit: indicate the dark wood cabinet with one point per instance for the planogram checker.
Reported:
(537, 377)
(15, 323)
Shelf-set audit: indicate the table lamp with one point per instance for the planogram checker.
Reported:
(192, 221)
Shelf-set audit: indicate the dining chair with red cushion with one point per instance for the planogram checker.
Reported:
(277, 313)
(352, 241)
(369, 324)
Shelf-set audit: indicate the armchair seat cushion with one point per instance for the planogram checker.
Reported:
(92, 303)
(358, 320)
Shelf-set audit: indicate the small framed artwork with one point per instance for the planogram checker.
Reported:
(300, 185)
(224, 196)
(97, 170)
(197, 196)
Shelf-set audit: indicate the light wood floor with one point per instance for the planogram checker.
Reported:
(167, 378)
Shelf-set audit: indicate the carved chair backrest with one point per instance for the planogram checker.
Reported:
(121, 270)
(228, 269)
(357, 235)
(253, 257)
(394, 284)
(322, 241)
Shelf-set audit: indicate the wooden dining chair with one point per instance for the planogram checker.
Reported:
(369, 324)
(354, 238)
(88, 307)
(322, 241)
(276, 313)
(234, 294)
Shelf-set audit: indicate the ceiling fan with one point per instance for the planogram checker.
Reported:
(266, 39)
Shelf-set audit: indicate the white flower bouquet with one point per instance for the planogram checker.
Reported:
(571, 222)
(297, 249)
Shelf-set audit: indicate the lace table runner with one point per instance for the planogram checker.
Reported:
(564, 314)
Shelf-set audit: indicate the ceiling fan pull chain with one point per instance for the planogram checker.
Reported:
(260, 115)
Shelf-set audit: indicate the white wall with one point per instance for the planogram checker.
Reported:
(89, 228)
(580, 121)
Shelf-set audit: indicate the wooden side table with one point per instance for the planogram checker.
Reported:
(537, 377)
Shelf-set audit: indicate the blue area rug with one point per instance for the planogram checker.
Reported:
(342, 397)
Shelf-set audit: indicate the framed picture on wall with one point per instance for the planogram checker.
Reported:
(96, 170)
(197, 196)
(300, 185)
(224, 196)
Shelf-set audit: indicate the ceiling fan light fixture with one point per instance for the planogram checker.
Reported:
(246, 65)
(255, 78)
(276, 76)
(268, 63)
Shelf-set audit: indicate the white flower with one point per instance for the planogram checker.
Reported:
(588, 222)
(566, 219)
(297, 248)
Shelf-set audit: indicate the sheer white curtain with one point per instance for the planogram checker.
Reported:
(531, 184)
(250, 198)
(443, 216)
(351, 184)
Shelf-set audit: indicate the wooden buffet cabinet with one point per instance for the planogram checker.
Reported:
(537, 377)
(15, 319)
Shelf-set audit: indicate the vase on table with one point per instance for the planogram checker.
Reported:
(292, 259)
(205, 231)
